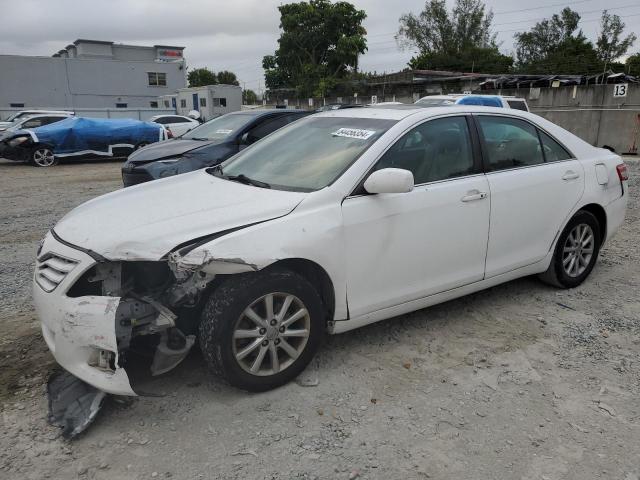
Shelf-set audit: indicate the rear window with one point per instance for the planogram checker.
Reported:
(518, 105)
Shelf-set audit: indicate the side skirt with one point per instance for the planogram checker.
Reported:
(385, 313)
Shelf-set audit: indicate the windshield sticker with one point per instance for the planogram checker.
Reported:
(223, 131)
(353, 133)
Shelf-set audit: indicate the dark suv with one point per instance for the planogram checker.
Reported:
(207, 145)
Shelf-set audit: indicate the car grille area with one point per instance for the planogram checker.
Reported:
(52, 269)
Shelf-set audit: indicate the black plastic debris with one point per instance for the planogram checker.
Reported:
(73, 404)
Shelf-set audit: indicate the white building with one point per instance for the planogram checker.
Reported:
(92, 74)
(210, 100)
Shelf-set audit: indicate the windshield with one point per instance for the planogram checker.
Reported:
(434, 102)
(308, 154)
(219, 128)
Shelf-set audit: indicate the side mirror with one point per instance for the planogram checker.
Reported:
(389, 180)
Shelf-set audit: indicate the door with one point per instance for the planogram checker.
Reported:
(534, 182)
(194, 98)
(401, 247)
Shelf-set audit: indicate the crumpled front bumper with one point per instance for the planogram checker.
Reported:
(78, 329)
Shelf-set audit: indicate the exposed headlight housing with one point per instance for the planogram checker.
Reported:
(14, 142)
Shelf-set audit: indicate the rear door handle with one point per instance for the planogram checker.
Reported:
(473, 195)
(570, 175)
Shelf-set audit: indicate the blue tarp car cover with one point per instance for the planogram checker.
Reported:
(81, 136)
(481, 100)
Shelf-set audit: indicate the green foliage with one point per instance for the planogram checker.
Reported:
(249, 97)
(460, 40)
(200, 77)
(226, 77)
(609, 45)
(632, 65)
(554, 46)
(319, 44)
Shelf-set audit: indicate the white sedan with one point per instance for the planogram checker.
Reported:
(177, 124)
(336, 221)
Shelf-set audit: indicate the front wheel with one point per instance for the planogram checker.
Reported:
(576, 252)
(260, 330)
(42, 157)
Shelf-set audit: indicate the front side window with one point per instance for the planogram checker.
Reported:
(509, 142)
(264, 128)
(308, 154)
(33, 123)
(435, 150)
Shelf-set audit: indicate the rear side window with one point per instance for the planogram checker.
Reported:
(509, 143)
(553, 151)
(518, 105)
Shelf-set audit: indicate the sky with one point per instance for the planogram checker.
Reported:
(235, 35)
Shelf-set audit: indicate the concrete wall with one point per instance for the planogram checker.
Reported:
(590, 111)
(68, 83)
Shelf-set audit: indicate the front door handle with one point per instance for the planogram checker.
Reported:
(473, 195)
(570, 175)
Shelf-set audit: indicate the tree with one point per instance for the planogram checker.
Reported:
(459, 40)
(249, 97)
(609, 45)
(546, 37)
(632, 64)
(201, 77)
(227, 78)
(319, 45)
(556, 46)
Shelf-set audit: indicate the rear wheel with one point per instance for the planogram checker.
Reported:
(42, 157)
(260, 330)
(576, 252)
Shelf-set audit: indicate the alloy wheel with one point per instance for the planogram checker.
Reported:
(43, 157)
(271, 334)
(578, 250)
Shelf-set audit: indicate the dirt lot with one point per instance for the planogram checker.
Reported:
(521, 381)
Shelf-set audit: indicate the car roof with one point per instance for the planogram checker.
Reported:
(40, 115)
(400, 112)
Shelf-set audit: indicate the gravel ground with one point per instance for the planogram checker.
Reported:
(521, 381)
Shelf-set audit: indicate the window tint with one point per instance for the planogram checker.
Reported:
(553, 151)
(517, 104)
(436, 150)
(178, 120)
(33, 123)
(266, 127)
(509, 143)
(161, 120)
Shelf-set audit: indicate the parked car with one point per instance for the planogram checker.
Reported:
(79, 137)
(21, 114)
(32, 121)
(504, 101)
(176, 124)
(334, 222)
(205, 146)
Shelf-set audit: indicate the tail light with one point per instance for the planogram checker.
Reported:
(623, 173)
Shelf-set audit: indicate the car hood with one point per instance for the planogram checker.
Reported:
(166, 149)
(147, 221)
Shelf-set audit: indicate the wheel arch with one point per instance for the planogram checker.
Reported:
(601, 215)
(317, 276)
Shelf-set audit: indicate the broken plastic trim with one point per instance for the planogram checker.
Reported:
(73, 404)
(96, 256)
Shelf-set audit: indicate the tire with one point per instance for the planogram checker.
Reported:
(563, 271)
(225, 313)
(42, 156)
